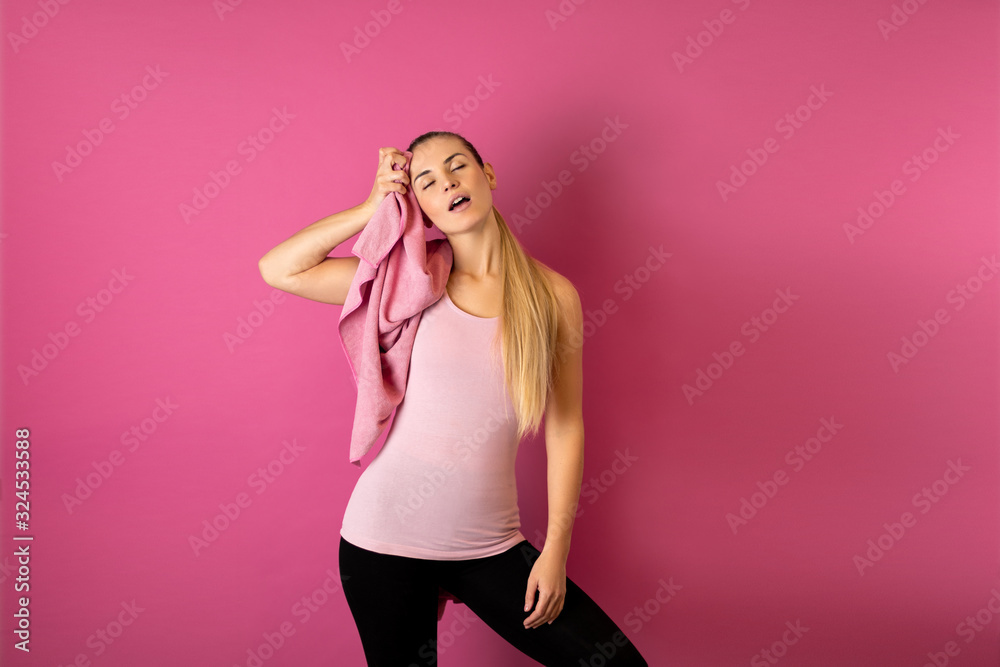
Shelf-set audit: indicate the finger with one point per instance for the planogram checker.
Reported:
(529, 596)
(541, 611)
(538, 619)
(555, 607)
(390, 178)
(534, 620)
(556, 612)
(551, 616)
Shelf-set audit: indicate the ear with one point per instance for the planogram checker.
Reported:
(490, 176)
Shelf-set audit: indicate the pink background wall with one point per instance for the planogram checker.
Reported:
(167, 360)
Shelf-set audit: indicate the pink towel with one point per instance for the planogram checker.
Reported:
(399, 275)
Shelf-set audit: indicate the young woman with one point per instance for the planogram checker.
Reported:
(437, 507)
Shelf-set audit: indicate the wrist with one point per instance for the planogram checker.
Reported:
(557, 547)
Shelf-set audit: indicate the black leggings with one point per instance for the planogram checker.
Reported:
(394, 600)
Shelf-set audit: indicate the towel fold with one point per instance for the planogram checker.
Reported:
(400, 274)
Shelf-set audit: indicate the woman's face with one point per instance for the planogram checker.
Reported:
(441, 169)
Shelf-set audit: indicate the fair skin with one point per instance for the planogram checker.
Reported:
(300, 266)
(441, 168)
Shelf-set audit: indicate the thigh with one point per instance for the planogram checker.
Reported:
(494, 587)
(394, 603)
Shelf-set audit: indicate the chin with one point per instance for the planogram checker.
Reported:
(470, 219)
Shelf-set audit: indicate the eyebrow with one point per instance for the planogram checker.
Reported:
(446, 161)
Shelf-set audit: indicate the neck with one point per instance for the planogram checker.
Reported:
(476, 251)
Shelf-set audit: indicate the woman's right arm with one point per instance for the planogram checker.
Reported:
(300, 264)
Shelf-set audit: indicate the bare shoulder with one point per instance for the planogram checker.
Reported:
(570, 308)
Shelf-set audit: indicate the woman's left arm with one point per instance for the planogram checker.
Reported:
(564, 452)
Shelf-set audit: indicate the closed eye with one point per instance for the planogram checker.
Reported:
(432, 182)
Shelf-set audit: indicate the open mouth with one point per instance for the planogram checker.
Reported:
(460, 203)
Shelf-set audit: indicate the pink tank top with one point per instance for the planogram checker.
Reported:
(443, 487)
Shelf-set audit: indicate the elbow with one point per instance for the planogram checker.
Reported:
(268, 273)
(265, 270)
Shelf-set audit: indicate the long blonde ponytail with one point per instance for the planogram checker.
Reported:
(526, 339)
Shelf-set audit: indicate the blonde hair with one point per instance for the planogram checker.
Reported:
(528, 331)
(527, 337)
